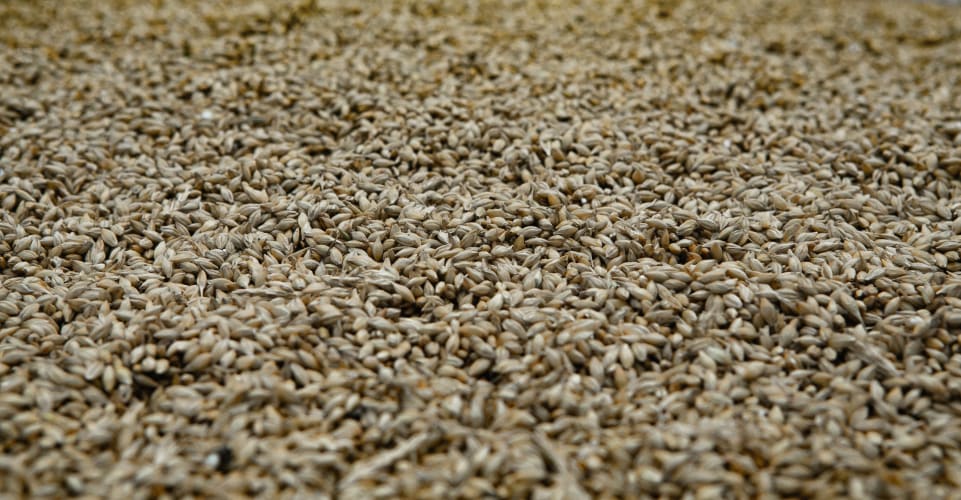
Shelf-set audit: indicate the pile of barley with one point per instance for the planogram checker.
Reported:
(504, 249)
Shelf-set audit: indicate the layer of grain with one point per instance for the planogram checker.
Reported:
(502, 249)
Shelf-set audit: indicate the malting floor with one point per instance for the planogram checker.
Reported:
(480, 249)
